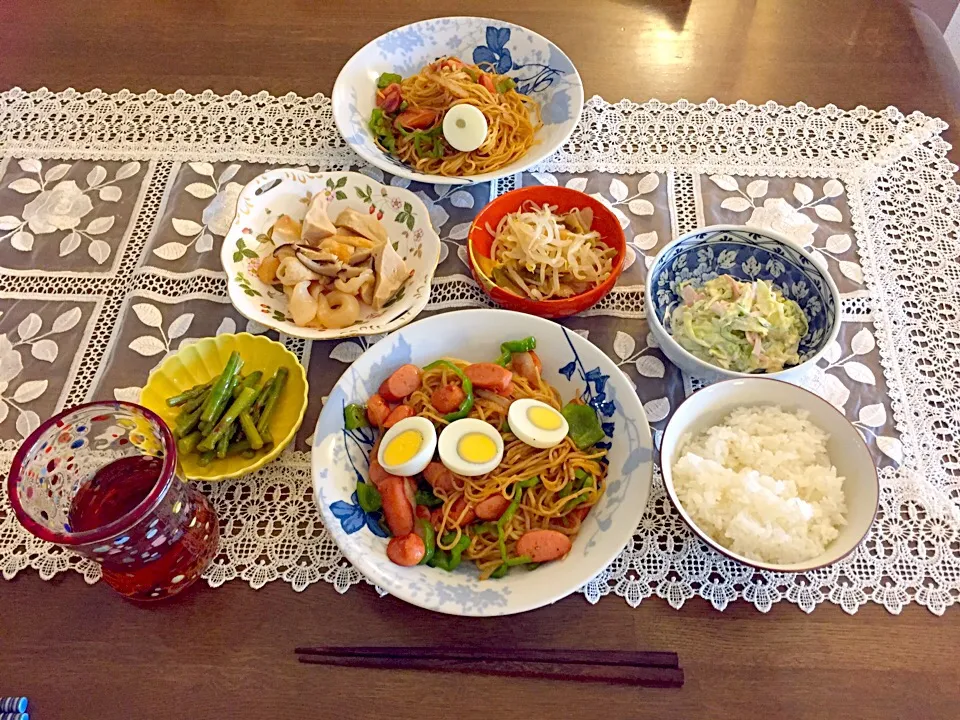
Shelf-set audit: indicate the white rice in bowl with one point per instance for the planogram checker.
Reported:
(761, 484)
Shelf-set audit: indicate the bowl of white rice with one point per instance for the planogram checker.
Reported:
(769, 474)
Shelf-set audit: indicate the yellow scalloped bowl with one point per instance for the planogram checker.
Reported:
(203, 361)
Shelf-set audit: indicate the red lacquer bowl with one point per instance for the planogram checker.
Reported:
(565, 199)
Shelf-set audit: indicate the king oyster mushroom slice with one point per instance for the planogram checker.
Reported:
(291, 271)
(319, 261)
(362, 224)
(317, 225)
(281, 252)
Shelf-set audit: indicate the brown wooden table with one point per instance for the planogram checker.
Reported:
(81, 652)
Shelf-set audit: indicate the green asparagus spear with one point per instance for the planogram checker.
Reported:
(223, 428)
(220, 392)
(222, 444)
(188, 395)
(250, 381)
(250, 430)
(280, 379)
(188, 444)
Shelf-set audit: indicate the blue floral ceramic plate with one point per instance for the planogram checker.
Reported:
(747, 254)
(570, 363)
(539, 68)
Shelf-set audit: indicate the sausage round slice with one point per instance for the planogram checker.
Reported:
(447, 398)
(439, 477)
(397, 507)
(543, 545)
(404, 381)
(401, 412)
(377, 410)
(489, 375)
(407, 550)
(492, 508)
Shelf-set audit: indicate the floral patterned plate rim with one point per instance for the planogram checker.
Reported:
(539, 68)
(572, 364)
(288, 191)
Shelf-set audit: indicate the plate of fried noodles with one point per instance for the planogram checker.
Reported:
(391, 98)
(482, 462)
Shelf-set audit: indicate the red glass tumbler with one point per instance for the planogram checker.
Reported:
(101, 479)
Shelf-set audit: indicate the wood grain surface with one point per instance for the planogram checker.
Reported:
(81, 652)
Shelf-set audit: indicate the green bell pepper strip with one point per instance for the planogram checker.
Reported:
(585, 430)
(515, 346)
(429, 536)
(354, 417)
(427, 499)
(510, 512)
(465, 383)
(440, 559)
(368, 497)
(500, 572)
(505, 85)
(387, 79)
(457, 550)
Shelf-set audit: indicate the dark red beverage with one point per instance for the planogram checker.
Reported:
(168, 546)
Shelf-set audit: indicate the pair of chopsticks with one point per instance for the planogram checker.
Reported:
(622, 667)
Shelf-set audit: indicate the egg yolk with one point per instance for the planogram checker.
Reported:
(402, 448)
(476, 448)
(543, 418)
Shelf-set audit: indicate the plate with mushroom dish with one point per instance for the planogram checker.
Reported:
(329, 255)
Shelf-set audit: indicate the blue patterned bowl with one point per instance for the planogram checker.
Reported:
(539, 68)
(571, 364)
(747, 254)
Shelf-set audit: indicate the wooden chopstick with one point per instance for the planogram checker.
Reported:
(616, 674)
(577, 657)
(644, 669)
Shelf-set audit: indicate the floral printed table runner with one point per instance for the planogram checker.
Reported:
(113, 208)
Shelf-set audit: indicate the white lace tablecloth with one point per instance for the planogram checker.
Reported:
(112, 209)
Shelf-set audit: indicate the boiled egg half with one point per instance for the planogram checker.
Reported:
(407, 448)
(536, 423)
(470, 447)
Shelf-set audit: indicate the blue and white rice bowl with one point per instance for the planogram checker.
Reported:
(571, 364)
(539, 68)
(748, 254)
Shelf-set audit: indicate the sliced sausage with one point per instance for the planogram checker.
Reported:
(489, 375)
(377, 410)
(436, 517)
(580, 513)
(407, 550)
(405, 380)
(397, 506)
(422, 512)
(447, 398)
(543, 545)
(507, 391)
(492, 508)
(439, 477)
(401, 412)
(527, 365)
(460, 507)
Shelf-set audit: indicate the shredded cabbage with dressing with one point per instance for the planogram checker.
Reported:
(543, 255)
(740, 326)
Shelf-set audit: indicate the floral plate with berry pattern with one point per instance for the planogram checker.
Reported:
(288, 192)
